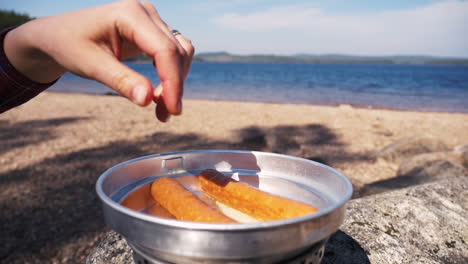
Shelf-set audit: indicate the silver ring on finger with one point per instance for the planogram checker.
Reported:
(175, 32)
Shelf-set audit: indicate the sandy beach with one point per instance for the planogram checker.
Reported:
(53, 148)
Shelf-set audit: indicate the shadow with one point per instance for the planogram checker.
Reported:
(252, 138)
(50, 209)
(428, 172)
(343, 249)
(53, 203)
(21, 134)
(319, 160)
(390, 184)
(314, 141)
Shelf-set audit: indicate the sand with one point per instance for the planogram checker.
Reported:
(53, 148)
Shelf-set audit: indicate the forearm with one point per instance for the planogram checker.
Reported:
(22, 48)
(15, 87)
(91, 43)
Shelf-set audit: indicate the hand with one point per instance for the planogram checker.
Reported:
(92, 42)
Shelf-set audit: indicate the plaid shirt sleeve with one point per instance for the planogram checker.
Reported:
(15, 88)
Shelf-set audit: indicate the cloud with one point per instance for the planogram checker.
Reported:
(436, 29)
(285, 17)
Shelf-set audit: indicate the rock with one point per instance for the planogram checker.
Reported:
(423, 168)
(410, 146)
(422, 224)
(112, 249)
(431, 166)
(462, 153)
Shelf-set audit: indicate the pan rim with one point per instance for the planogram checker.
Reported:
(232, 227)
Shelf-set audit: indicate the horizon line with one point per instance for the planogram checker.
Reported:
(330, 54)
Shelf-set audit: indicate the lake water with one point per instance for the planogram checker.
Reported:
(406, 87)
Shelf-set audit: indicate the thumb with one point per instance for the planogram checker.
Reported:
(111, 72)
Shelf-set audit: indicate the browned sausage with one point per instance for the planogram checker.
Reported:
(252, 201)
(142, 200)
(183, 204)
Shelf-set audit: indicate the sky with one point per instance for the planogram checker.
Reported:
(285, 27)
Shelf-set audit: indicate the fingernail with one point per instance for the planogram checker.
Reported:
(139, 95)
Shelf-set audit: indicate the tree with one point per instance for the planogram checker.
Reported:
(11, 18)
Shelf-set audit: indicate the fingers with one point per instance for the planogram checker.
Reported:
(185, 48)
(151, 39)
(163, 101)
(172, 55)
(161, 112)
(157, 20)
(116, 75)
(189, 49)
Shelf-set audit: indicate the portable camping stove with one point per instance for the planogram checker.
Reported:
(312, 255)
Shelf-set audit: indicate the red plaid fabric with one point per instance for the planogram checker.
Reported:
(15, 88)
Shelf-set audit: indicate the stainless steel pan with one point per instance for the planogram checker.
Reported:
(264, 242)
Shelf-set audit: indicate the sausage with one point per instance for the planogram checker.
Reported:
(142, 200)
(252, 201)
(157, 210)
(139, 199)
(183, 204)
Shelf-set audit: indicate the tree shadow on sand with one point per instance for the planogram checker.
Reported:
(50, 209)
(22, 134)
(314, 141)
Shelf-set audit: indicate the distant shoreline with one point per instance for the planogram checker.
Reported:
(327, 58)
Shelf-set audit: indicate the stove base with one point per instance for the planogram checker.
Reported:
(313, 255)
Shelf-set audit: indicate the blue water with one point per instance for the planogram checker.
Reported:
(407, 87)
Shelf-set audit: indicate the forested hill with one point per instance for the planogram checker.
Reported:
(11, 18)
(328, 58)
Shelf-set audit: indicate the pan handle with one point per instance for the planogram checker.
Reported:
(173, 165)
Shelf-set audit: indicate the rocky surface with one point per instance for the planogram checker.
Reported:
(112, 249)
(422, 224)
(434, 165)
(462, 152)
(419, 169)
(411, 146)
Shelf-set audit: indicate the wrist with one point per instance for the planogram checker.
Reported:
(21, 51)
